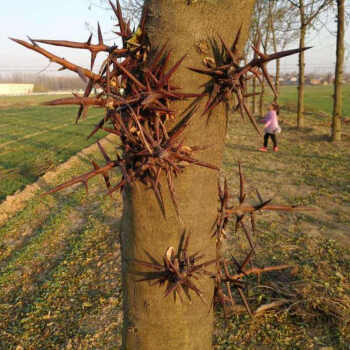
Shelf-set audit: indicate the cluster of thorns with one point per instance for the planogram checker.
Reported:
(179, 270)
(137, 94)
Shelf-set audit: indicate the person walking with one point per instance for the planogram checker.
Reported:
(271, 127)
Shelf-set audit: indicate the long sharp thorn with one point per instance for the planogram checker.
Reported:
(83, 178)
(99, 33)
(143, 18)
(228, 51)
(97, 128)
(259, 196)
(173, 69)
(88, 42)
(75, 101)
(58, 60)
(235, 43)
(245, 302)
(241, 184)
(268, 79)
(92, 61)
(229, 292)
(158, 58)
(76, 45)
(102, 150)
(248, 236)
(120, 185)
(251, 118)
(247, 259)
(130, 75)
(286, 53)
(105, 176)
(172, 193)
(32, 41)
(121, 21)
(158, 193)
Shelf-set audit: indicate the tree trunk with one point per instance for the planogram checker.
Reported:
(278, 75)
(301, 85)
(278, 62)
(262, 85)
(339, 71)
(152, 321)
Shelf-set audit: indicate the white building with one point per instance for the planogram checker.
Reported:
(16, 89)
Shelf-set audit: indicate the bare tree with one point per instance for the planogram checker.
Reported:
(282, 24)
(274, 23)
(339, 73)
(309, 10)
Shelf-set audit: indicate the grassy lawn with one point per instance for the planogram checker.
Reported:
(60, 257)
(35, 139)
(318, 99)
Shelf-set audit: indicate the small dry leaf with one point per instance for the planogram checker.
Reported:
(263, 308)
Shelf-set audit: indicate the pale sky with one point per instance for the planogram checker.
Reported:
(66, 19)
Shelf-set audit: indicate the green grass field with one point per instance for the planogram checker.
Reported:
(35, 139)
(60, 256)
(318, 99)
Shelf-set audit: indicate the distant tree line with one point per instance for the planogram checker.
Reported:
(44, 83)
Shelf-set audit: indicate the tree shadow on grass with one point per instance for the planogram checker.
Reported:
(318, 138)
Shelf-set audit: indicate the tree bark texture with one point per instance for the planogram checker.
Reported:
(339, 73)
(151, 321)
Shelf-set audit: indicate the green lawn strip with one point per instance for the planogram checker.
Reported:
(318, 99)
(35, 155)
(41, 115)
(80, 299)
(54, 230)
(20, 228)
(32, 263)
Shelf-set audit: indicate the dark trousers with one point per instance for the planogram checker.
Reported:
(273, 138)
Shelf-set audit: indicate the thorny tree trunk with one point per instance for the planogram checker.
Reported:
(301, 83)
(152, 322)
(339, 70)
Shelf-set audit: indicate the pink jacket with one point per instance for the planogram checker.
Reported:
(271, 122)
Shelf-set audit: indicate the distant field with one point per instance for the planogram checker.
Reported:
(317, 98)
(34, 139)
